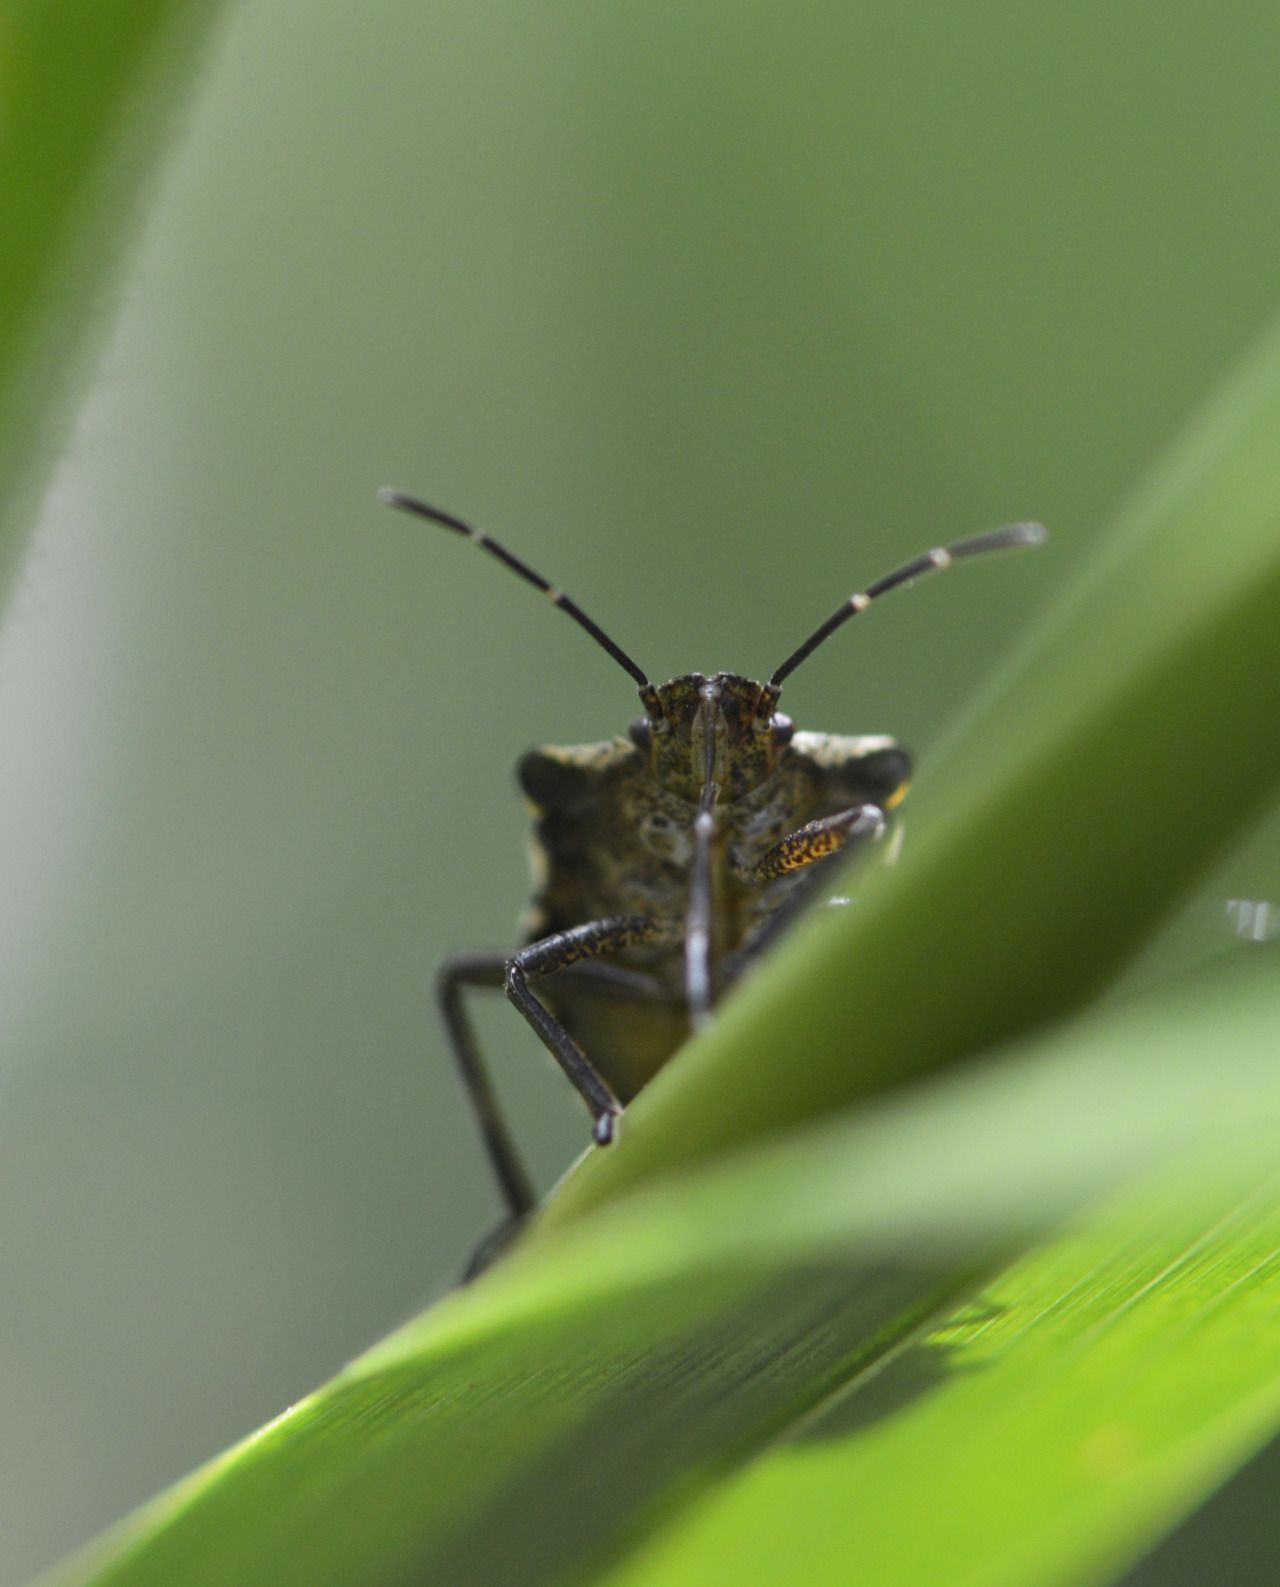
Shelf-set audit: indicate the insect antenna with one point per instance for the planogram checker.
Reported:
(1015, 534)
(395, 498)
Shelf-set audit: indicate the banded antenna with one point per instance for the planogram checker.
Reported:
(1015, 534)
(395, 498)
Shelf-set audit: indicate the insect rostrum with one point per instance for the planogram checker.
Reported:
(668, 859)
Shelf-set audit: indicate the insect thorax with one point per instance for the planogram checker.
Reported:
(610, 838)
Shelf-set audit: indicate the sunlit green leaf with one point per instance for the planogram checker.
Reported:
(671, 1354)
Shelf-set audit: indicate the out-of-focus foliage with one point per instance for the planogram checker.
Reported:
(816, 1355)
(88, 95)
(713, 314)
(1115, 692)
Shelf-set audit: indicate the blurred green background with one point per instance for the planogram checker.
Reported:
(713, 313)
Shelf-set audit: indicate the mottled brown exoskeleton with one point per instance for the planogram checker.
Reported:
(667, 860)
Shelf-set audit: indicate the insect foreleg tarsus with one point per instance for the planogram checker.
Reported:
(818, 840)
(859, 824)
(558, 952)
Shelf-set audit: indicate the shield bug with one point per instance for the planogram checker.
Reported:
(668, 859)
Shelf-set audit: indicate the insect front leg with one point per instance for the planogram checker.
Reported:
(818, 839)
(558, 952)
(803, 849)
(490, 970)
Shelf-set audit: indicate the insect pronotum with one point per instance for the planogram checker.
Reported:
(668, 859)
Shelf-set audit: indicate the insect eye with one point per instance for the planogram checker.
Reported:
(640, 734)
(783, 729)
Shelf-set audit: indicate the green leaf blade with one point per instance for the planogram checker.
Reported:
(662, 1359)
(1074, 809)
(1092, 1395)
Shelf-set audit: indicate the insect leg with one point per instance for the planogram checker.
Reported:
(802, 848)
(557, 952)
(817, 840)
(489, 970)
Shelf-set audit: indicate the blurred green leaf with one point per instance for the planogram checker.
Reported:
(676, 1349)
(1077, 804)
(88, 89)
(669, 1340)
